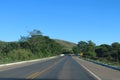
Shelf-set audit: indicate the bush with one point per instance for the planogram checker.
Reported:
(20, 54)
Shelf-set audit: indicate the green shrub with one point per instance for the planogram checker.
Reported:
(20, 54)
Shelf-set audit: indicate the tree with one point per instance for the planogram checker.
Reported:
(87, 48)
(24, 45)
(82, 46)
(76, 50)
(10, 46)
(23, 39)
(103, 50)
(35, 32)
(91, 49)
(116, 51)
(30, 47)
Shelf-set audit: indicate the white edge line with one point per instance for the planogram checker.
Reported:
(98, 78)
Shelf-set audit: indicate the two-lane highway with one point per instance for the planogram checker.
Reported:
(62, 68)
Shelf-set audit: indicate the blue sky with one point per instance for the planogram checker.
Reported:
(71, 20)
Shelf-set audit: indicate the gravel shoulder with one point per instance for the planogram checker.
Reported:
(103, 72)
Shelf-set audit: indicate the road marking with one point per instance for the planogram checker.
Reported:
(28, 61)
(98, 78)
(36, 74)
(23, 62)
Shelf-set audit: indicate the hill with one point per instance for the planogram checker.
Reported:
(65, 44)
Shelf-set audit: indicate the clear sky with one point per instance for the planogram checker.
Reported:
(71, 20)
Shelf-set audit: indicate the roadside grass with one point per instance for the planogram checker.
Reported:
(103, 62)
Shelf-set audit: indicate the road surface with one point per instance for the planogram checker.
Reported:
(62, 68)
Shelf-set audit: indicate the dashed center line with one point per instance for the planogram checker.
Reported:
(36, 74)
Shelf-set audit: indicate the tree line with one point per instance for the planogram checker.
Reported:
(37, 45)
(29, 47)
(103, 52)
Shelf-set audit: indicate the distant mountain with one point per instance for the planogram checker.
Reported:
(65, 44)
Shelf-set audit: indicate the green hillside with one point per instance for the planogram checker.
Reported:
(65, 44)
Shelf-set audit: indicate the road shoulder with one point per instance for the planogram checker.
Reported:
(103, 72)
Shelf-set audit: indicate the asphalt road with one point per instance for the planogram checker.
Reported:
(62, 68)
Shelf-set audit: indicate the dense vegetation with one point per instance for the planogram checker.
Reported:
(31, 47)
(38, 46)
(104, 52)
